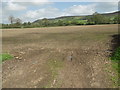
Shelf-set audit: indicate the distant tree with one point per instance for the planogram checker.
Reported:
(29, 23)
(45, 22)
(11, 19)
(18, 21)
(24, 23)
(95, 13)
(74, 22)
(60, 23)
(97, 19)
(117, 19)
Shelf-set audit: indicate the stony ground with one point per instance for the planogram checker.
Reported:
(42, 57)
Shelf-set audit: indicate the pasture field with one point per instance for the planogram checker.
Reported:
(42, 57)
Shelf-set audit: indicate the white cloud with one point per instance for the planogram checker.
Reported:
(23, 4)
(34, 3)
(17, 8)
(49, 12)
(52, 12)
(37, 1)
(44, 12)
(106, 6)
(14, 6)
(62, 0)
(80, 10)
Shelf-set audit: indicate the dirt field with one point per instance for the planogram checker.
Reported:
(42, 57)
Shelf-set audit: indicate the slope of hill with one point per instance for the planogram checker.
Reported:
(112, 14)
(78, 17)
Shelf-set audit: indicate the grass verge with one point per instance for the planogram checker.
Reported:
(116, 56)
(115, 64)
(5, 56)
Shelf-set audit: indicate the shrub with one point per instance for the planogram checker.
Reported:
(116, 55)
(90, 23)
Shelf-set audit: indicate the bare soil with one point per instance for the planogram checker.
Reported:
(41, 57)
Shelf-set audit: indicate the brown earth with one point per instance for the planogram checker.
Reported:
(41, 57)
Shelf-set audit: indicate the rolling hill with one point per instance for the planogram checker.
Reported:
(110, 15)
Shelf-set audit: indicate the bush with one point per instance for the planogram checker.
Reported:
(116, 55)
(90, 23)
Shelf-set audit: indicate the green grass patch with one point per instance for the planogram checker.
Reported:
(116, 56)
(5, 56)
(115, 61)
(116, 74)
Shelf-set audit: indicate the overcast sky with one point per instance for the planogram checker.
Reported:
(31, 11)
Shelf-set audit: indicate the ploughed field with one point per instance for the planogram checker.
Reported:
(57, 57)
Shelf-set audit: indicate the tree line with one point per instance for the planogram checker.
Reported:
(94, 19)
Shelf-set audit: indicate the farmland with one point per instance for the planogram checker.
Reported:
(41, 57)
